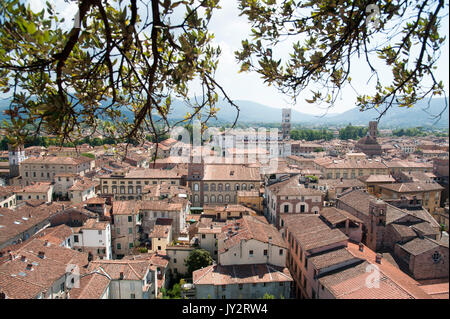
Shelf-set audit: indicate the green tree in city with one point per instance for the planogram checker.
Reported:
(123, 57)
(198, 258)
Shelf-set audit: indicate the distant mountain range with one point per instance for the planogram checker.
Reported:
(251, 112)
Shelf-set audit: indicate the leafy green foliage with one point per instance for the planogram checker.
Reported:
(62, 81)
(54, 141)
(416, 131)
(90, 155)
(198, 258)
(311, 135)
(58, 79)
(326, 35)
(352, 132)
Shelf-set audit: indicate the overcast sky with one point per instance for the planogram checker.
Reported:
(230, 29)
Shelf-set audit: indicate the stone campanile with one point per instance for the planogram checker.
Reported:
(286, 123)
(373, 128)
(16, 154)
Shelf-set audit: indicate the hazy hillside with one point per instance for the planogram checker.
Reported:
(252, 112)
(421, 114)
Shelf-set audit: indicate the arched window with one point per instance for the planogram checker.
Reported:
(196, 188)
(213, 198)
(251, 186)
(220, 199)
(213, 187)
(205, 199)
(227, 187)
(206, 187)
(196, 198)
(220, 187)
(227, 198)
(236, 187)
(244, 187)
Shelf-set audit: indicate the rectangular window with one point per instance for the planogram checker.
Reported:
(130, 230)
(75, 238)
(119, 246)
(250, 253)
(265, 252)
(130, 219)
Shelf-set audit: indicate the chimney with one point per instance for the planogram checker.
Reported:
(46, 243)
(30, 267)
(41, 254)
(23, 258)
(378, 258)
(361, 247)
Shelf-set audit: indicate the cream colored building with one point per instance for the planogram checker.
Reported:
(251, 240)
(36, 191)
(129, 185)
(44, 169)
(63, 182)
(82, 190)
(161, 236)
(178, 254)
(349, 168)
(7, 198)
(408, 166)
(218, 184)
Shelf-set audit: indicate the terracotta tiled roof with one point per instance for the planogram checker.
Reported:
(311, 232)
(229, 172)
(92, 286)
(331, 258)
(292, 187)
(335, 215)
(57, 160)
(41, 187)
(16, 222)
(412, 187)
(419, 246)
(395, 275)
(82, 185)
(408, 164)
(250, 227)
(27, 283)
(437, 291)
(240, 274)
(161, 229)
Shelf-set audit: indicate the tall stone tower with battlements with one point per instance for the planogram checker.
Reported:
(286, 123)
